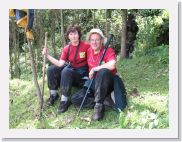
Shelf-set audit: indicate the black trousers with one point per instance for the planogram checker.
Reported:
(102, 86)
(63, 77)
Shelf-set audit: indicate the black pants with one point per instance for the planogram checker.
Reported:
(102, 86)
(63, 77)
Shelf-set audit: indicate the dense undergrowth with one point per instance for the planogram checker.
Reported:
(148, 73)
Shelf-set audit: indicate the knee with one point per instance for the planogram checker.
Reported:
(51, 69)
(104, 72)
(66, 72)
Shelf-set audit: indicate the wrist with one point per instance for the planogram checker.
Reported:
(47, 55)
(96, 68)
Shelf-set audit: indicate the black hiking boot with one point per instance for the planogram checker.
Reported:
(52, 99)
(63, 106)
(98, 112)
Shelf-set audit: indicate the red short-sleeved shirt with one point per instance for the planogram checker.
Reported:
(93, 59)
(81, 59)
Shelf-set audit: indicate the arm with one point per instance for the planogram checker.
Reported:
(111, 65)
(54, 61)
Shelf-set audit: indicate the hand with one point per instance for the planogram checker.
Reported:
(91, 73)
(45, 51)
(93, 70)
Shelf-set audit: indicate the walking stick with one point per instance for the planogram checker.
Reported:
(34, 72)
(103, 53)
(44, 70)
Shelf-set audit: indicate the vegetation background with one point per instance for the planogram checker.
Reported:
(145, 70)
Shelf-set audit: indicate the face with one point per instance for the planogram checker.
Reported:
(96, 42)
(73, 37)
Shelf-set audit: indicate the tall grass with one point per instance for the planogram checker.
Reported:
(148, 73)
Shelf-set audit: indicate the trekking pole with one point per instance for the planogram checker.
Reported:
(43, 76)
(103, 54)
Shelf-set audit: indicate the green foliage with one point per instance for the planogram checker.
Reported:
(150, 75)
(149, 12)
(147, 34)
(161, 52)
(150, 29)
(147, 71)
(151, 22)
(149, 110)
(146, 66)
(22, 96)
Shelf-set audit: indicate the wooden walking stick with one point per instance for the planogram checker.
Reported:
(44, 70)
(34, 71)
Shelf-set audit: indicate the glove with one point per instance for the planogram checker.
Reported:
(29, 35)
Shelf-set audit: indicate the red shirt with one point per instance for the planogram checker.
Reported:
(81, 58)
(93, 59)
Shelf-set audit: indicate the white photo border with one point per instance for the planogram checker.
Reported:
(171, 133)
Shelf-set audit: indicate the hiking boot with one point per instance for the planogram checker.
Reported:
(63, 106)
(98, 112)
(52, 99)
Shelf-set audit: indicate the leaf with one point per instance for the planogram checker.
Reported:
(151, 125)
(156, 122)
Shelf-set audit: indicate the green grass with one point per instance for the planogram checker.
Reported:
(149, 110)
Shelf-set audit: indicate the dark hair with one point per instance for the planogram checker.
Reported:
(73, 28)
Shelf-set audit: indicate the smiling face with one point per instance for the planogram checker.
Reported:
(96, 42)
(73, 34)
(73, 37)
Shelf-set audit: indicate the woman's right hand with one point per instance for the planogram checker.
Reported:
(45, 51)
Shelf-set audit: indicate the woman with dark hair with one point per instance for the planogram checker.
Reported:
(69, 70)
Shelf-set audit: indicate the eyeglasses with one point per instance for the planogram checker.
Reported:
(95, 40)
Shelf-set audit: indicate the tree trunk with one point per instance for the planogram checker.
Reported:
(18, 56)
(62, 29)
(38, 24)
(58, 19)
(78, 16)
(107, 22)
(11, 47)
(94, 24)
(10, 62)
(123, 34)
(53, 25)
(15, 49)
(41, 32)
(26, 64)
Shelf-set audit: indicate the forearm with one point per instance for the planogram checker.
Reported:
(111, 65)
(56, 62)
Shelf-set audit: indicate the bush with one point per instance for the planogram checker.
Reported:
(160, 52)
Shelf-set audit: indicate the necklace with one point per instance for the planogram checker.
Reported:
(92, 55)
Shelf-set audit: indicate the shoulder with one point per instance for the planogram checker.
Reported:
(110, 50)
(110, 53)
(65, 48)
(84, 44)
